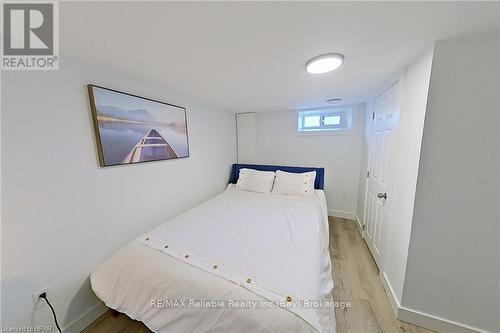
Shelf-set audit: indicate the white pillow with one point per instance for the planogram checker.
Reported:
(255, 181)
(294, 183)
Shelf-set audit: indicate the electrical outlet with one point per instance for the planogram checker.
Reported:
(37, 300)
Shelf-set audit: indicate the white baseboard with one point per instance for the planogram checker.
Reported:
(342, 214)
(82, 322)
(425, 320)
(390, 293)
(435, 323)
(360, 226)
(348, 216)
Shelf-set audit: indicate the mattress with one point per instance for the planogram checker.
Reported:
(240, 262)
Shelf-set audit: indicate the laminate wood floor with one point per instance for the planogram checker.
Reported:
(356, 280)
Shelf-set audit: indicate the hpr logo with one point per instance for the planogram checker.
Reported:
(29, 29)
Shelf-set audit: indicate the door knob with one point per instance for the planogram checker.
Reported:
(382, 195)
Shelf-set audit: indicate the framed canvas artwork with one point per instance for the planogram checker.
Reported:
(131, 129)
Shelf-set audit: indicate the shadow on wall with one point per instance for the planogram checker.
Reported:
(79, 304)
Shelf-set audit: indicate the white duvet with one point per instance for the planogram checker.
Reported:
(240, 262)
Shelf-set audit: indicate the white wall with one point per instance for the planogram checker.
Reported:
(453, 261)
(245, 123)
(414, 88)
(340, 155)
(61, 213)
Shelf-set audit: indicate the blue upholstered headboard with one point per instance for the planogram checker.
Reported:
(318, 183)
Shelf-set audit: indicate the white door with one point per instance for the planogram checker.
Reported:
(385, 119)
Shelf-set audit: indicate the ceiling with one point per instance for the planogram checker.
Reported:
(250, 56)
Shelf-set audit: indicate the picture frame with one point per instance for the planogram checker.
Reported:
(131, 129)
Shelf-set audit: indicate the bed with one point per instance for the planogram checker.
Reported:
(240, 262)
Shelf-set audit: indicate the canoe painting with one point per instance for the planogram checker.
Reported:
(132, 129)
(152, 147)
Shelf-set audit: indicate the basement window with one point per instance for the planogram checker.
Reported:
(329, 120)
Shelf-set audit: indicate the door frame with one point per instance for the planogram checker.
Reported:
(369, 130)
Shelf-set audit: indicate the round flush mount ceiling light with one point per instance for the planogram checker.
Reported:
(324, 63)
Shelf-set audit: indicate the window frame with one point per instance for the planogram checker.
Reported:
(348, 121)
(322, 126)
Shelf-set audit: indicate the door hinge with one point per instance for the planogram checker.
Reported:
(368, 174)
(373, 115)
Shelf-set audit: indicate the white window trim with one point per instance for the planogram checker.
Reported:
(353, 130)
(322, 114)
